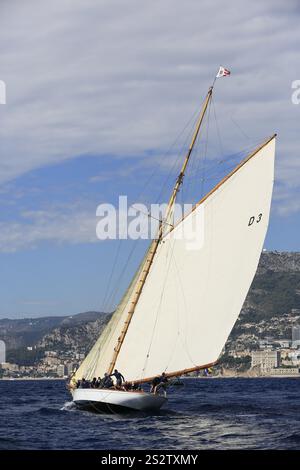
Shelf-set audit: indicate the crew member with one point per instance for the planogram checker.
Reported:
(119, 378)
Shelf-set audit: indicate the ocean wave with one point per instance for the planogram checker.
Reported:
(68, 406)
(206, 414)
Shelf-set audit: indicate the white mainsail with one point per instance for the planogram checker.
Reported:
(192, 297)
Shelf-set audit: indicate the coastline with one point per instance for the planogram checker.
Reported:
(13, 379)
(244, 377)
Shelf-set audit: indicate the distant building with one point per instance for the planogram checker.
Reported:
(296, 336)
(239, 354)
(285, 371)
(51, 353)
(294, 356)
(70, 367)
(61, 370)
(296, 333)
(265, 344)
(2, 352)
(284, 343)
(52, 361)
(266, 359)
(9, 366)
(80, 356)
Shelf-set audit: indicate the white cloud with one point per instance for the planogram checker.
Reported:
(57, 224)
(120, 78)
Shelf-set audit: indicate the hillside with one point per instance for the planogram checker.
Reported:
(30, 331)
(270, 309)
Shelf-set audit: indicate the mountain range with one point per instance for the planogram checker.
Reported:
(271, 308)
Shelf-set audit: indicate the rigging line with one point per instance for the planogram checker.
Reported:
(192, 118)
(90, 368)
(157, 313)
(213, 176)
(117, 253)
(217, 126)
(107, 300)
(114, 290)
(240, 129)
(217, 164)
(233, 156)
(202, 161)
(185, 345)
(190, 185)
(157, 167)
(107, 296)
(176, 163)
(178, 182)
(178, 330)
(111, 274)
(92, 365)
(121, 275)
(186, 187)
(148, 214)
(205, 150)
(113, 294)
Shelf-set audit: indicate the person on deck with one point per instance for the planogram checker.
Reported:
(94, 383)
(119, 378)
(84, 383)
(159, 383)
(136, 386)
(154, 384)
(106, 382)
(98, 382)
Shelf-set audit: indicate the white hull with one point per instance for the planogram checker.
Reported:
(116, 400)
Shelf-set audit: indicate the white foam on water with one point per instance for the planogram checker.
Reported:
(68, 406)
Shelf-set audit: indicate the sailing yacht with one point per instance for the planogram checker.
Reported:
(181, 305)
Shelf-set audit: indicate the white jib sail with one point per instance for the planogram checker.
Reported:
(193, 295)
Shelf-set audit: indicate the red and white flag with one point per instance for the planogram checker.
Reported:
(222, 72)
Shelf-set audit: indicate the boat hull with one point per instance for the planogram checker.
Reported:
(108, 400)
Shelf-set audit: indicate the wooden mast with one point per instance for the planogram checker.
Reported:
(186, 160)
(155, 243)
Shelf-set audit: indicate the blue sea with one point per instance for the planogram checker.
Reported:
(258, 413)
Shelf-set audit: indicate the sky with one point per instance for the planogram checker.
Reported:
(96, 94)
